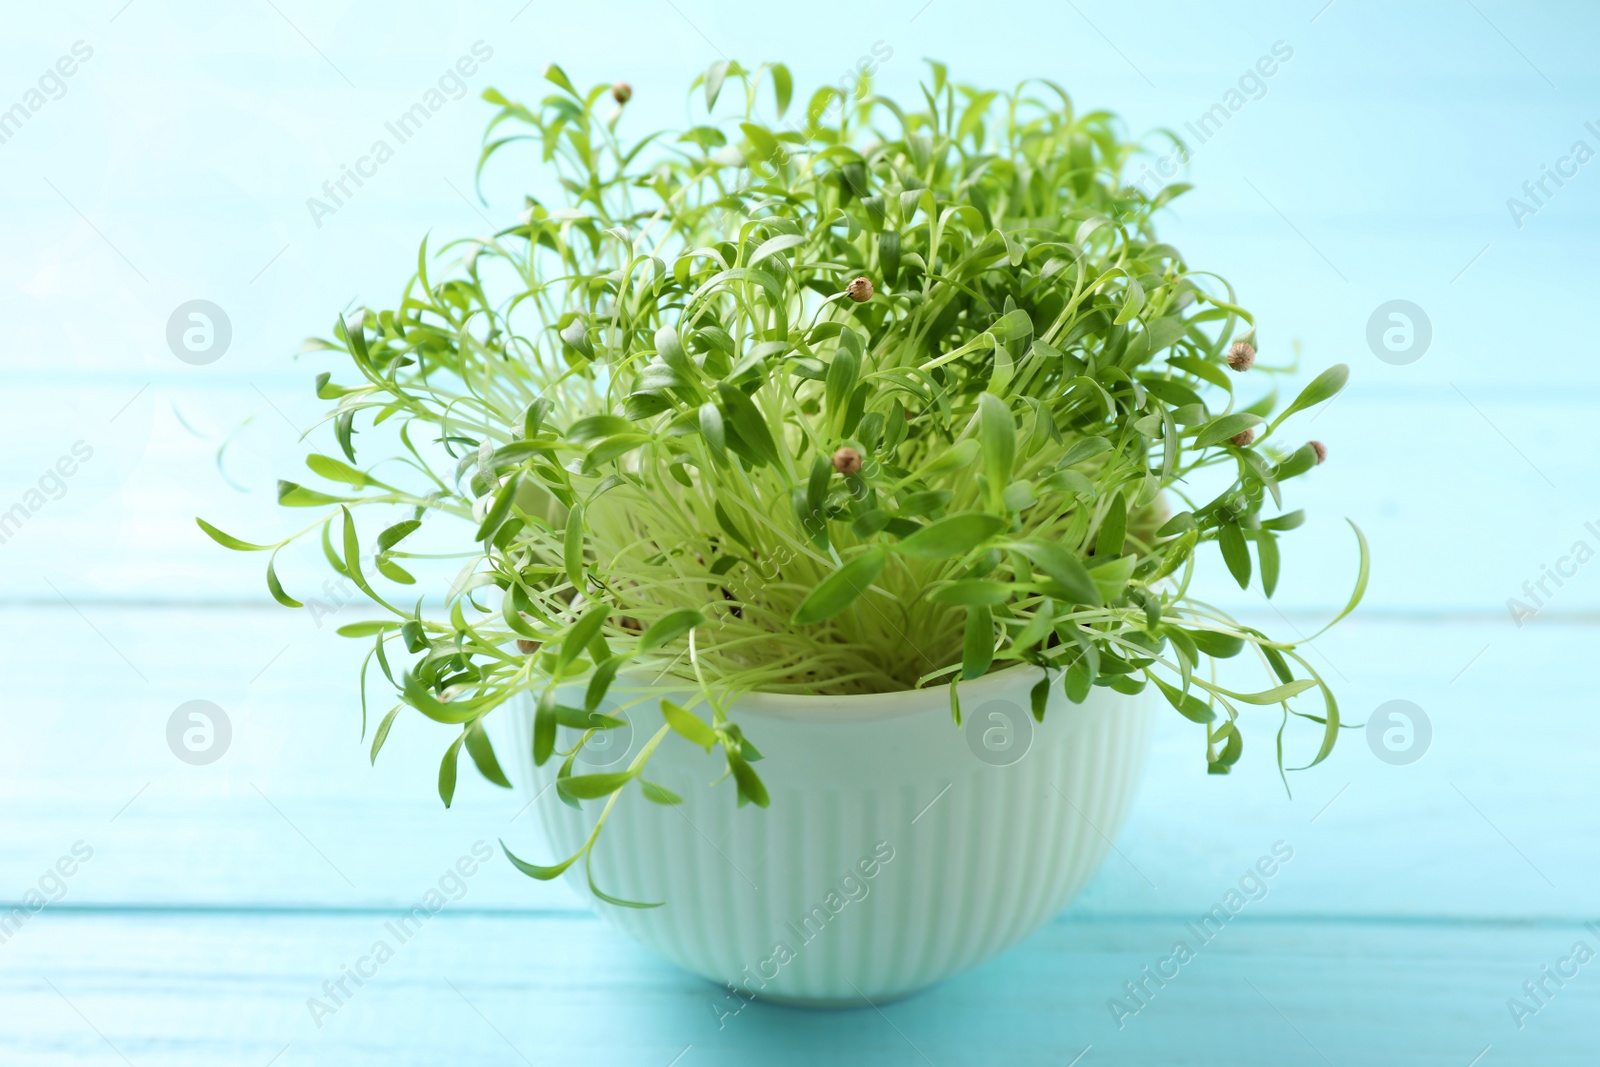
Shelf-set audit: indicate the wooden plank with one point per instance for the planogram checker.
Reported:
(509, 989)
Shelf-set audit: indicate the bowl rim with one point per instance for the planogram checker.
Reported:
(858, 707)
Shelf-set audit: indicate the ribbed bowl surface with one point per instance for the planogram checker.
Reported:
(898, 850)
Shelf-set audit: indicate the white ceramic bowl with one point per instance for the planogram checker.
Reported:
(898, 850)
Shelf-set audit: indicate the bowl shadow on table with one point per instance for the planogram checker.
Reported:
(988, 1007)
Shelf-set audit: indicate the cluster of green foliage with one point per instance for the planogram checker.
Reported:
(871, 400)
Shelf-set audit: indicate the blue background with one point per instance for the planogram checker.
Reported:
(1377, 166)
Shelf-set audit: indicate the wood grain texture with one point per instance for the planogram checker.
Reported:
(208, 991)
(218, 899)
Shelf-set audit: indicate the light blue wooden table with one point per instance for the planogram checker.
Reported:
(206, 905)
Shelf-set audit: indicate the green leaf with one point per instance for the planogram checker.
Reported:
(1230, 538)
(499, 509)
(1324, 386)
(293, 495)
(595, 427)
(229, 541)
(594, 786)
(555, 75)
(544, 727)
(534, 870)
(782, 86)
(971, 593)
(612, 449)
(841, 379)
(773, 245)
(998, 438)
(336, 471)
(1216, 645)
(276, 588)
(1039, 696)
(715, 74)
(583, 631)
(1363, 569)
(367, 629)
(956, 457)
(1076, 682)
(670, 627)
(382, 733)
(1066, 572)
(1189, 706)
(397, 533)
(954, 535)
(658, 794)
(1113, 529)
(447, 770)
(482, 753)
(1132, 304)
(1219, 430)
(889, 255)
(1275, 695)
(747, 421)
(840, 589)
(749, 783)
(600, 681)
(1111, 575)
(1087, 448)
(1267, 555)
(688, 725)
(352, 558)
(418, 696)
(977, 646)
(572, 547)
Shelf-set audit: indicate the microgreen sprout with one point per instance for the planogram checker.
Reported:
(880, 400)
